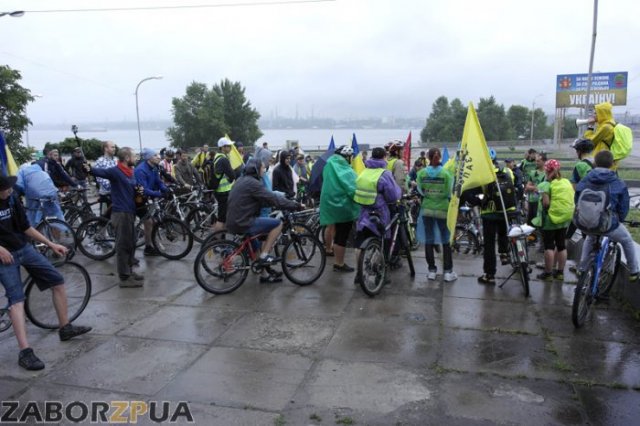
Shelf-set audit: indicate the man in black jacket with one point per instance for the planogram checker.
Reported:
(75, 168)
(282, 178)
(51, 165)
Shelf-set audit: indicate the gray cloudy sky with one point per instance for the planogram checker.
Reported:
(345, 58)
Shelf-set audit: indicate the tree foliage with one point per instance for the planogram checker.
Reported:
(13, 106)
(204, 115)
(92, 148)
(446, 121)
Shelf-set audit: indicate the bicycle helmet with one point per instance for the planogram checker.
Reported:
(583, 145)
(551, 165)
(395, 146)
(345, 150)
(492, 154)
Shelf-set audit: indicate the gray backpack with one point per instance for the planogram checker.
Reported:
(593, 213)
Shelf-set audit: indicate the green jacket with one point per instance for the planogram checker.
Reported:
(537, 177)
(338, 189)
(436, 184)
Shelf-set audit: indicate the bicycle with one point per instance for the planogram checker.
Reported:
(56, 230)
(39, 308)
(518, 254)
(222, 266)
(376, 258)
(76, 208)
(596, 282)
(468, 235)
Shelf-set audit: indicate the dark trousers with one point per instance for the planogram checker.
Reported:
(123, 225)
(490, 228)
(446, 257)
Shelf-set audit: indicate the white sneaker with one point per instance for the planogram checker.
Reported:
(450, 276)
(432, 275)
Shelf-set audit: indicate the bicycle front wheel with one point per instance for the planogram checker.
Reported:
(303, 259)
(372, 267)
(609, 270)
(96, 238)
(465, 241)
(582, 298)
(200, 221)
(58, 232)
(405, 245)
(39, 304)
(220, 267)
(172, 238)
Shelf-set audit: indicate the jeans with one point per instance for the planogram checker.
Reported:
(619, 235)
(491, 227)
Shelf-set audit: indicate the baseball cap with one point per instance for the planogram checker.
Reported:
(224, 142)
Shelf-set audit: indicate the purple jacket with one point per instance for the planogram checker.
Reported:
(388, 193)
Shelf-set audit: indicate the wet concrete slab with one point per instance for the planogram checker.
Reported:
(107, 317)
(304, 335)
(606, 406)
(240, 378)
(210, 415)
(11, 388)
(380, 340)
(308, 301)
(123, 364)
(489, 314)
(416, 309)
(246, 298)
(152, 291)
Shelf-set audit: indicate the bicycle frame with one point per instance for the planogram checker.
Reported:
(600, 247)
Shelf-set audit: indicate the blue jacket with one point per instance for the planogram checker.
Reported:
(149, 177)
(122, 188)
(618, 192)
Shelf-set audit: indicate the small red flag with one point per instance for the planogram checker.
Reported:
(406, 155)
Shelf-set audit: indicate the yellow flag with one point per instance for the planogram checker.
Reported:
(474, 167)
(357, 164)
(12, 167)
(235, 158)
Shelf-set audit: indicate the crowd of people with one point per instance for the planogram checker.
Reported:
(533, 189)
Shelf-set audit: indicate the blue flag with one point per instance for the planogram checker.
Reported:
(445, 155)
(332, 144)
(354, 145)
(3, 155)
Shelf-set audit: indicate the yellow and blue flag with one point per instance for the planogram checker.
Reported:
(356, 163)
(235, 158)
(8, 165)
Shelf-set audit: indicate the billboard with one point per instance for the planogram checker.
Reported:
(571, 89)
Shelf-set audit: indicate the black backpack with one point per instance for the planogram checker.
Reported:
(492, 195)
(210, 179)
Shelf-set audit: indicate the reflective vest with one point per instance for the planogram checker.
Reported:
(391, 163)
(224, 185)
(367, 186)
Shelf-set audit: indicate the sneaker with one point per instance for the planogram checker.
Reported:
(151, 251)
(29, 361)
(558, 275)
(270, 279)
(545, 276)
(268, 260)
(343, 268)
(432, 275)
(450, 276)
(541, 265)
(70, 330)
(487, 279)
(132, 281)
(504, 259)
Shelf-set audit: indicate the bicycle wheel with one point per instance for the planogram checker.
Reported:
(5, 320)
(139, 230)
(39, 304)
(220, 267)
(200, 221)
(58, 232)
(465, 241)
(372, 267)
(582, 298)
(609, 270)
(96, 238)
(172, 238)
(303, 259)
(524, 276)
(405, 245)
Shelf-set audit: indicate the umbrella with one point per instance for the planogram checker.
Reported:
(315, 182)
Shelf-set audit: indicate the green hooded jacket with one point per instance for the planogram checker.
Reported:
(338, 189)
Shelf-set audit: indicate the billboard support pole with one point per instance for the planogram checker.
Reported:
(593, 50)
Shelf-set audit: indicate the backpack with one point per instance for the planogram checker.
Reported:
(593, 213)
(505, 184)
(562, 205)
(211, 181)
(622, 142)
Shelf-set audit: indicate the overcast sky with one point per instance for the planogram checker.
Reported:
(342, 58)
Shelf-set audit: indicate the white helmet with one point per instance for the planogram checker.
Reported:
(344, 150)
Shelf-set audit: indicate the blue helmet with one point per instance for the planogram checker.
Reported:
(492, 154)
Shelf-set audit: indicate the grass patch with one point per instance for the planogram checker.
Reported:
(279, 421)
(345, 421)
(316, 418)
(634, 215)
(632, 174)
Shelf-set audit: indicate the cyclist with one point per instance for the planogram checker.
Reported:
(396, 164)
(493, 222)
(528, 165)
(35, 185)
(201, 157)
(282, 175)
(375, 190)
(535, 178)
(17, 252)
(604, 176)
(186, 174)
(337, 207)
(584, 150)
(436, 185)
(168, 162)
(107, 160)
(554, 215)
(224, 175)
(51, 164)
(75, 168)
(602, 135)
(246, 199)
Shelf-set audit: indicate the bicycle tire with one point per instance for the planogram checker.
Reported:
(524, 276)
(609, 270)
(404, 242)
(371, 267)
(139, 230)
(38, 304)
(5, 320)
(582, 298)
(301, 253)
(96, 238)
(465, 241)
(215, 263)
(195, 220)
(66, 237)
(172, 238)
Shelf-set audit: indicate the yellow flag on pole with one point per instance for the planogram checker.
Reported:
(474, 167)
(235, 158)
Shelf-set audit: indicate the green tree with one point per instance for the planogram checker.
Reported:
(540, 128)
(92, 148)
(198, 117)
(520, 120)
(438, 122)
(569, 128)
(13, 106)
(493, 120)
(240, 118)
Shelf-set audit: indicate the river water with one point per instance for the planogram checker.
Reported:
(309, 139)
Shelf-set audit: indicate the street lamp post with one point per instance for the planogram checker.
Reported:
(157, 77)
(533, 110)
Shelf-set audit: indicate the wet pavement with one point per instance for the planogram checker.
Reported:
(422, 352)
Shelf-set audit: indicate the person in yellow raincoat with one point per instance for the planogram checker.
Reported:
(602, 135)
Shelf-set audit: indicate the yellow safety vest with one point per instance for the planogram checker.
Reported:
(391, 163)
(224, 185)
(367, 186)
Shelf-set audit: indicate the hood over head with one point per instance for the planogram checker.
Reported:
(604, 112)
